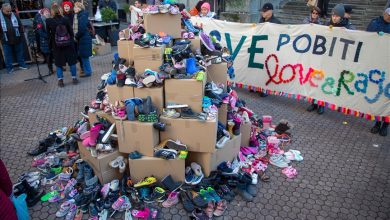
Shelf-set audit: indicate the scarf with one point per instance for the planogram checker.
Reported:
(75, 24)
(14, 22)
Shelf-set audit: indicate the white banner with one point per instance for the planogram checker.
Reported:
(341, 69)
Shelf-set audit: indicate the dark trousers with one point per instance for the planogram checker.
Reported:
(323, 5)
(49, 60)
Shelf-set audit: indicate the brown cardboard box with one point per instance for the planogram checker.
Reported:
(195, 44)
(116, 93)
(222, 114)
(156, 93)
(217, 73)
(245, 130)
(167, 23)
(102, 114)
(100, 163)
(210, 161)
(197, 135)
(101, 50)
(185, 91)
(108, 176)
(159, 168)
(147, 58)
(137, 136)
(125, 50)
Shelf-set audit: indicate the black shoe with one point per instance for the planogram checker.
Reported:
(160, 126)
(262, 94)
(33, 195)
(312, 107)
(187, 113)
(43, 145)
(376, 128)
(187, 202)
(321, 110)
(383, 130)
(170, 184)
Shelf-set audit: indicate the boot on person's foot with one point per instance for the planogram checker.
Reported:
(383, 130)
(312, 107)
(376, 127)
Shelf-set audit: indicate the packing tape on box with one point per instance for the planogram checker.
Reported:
(193, 98)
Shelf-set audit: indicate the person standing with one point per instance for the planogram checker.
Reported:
(267, 15)
(11, 34)
(337, 19)
(83, 37)
(348, 15)
(7, 210)
(43, 37)
(205, 11)
(323, 5)
(380, 24)
(136, 13)
(61, 42)
(314, 17)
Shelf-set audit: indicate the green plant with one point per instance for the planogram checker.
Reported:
(108, 14)
(126, 7)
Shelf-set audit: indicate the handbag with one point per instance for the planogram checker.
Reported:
(21, 206)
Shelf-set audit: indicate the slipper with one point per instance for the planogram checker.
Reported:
(290, 172)
(279, 160)
(48, 196)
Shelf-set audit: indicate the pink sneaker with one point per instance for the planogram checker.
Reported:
(144, 214)
(172, 200)
(290, 172)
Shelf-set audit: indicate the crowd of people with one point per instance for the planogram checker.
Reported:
(62, 35)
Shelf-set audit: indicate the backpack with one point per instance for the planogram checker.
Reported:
(62, 36)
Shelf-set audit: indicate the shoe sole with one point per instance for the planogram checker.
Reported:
(106, 137)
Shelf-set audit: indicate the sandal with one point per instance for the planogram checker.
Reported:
(263, 177)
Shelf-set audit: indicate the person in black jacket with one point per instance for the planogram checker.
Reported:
(11, 34)
(83, 38)
(267, 14)
(43, 38)
(337, 19)
(62, 54)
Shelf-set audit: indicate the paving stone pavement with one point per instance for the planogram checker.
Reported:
(345, 173)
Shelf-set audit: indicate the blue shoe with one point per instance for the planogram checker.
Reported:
(191, 66)
(190, 27)
(111, 80)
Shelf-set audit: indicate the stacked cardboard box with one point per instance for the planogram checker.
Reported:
(199, 136)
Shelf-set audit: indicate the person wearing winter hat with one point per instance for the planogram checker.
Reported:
(381, 23)
(267, 14)
(337, 19)
(195, 11)
(67, 8)
(348, 15)
(205, 11)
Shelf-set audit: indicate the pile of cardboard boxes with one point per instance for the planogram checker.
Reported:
(200, 137)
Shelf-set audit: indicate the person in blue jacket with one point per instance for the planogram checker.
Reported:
(83, 37)
(380, 24)
(43, 37)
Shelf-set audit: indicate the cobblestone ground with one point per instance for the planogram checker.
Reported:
(345, 173)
